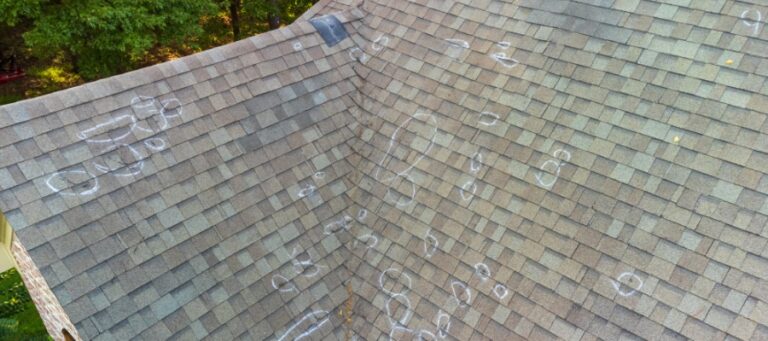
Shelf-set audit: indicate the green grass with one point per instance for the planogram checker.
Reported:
(5, 99)
(30, 325)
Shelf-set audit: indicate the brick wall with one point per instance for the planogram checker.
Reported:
(54, 317)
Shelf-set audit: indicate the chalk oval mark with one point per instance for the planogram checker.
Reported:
(395, 275)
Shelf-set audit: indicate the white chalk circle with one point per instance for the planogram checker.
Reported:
(357, 54)
(282, 284)
(395, 276)
(443, 324)
(307, 190)
(406, 315)
(307, 267)
(155, 144)
(629, 280)
(554, 174)
(380, 43)
(562, 155)
(457, 48)
(370, 241)
(143, 102)
(336, 226)
(467, 191)
(482, 271)
(73, 182)
(500, 291)
(171, 108)
(418, 118)
(488, 118)
(362, 214)
(402, 330)
(462, 293)
(505, 61)
(297, 46)
(319, 175)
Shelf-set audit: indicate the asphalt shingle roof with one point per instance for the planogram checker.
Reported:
(560, 169)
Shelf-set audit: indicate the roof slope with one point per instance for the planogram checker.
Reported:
(552, 169)
(613, 182)
(167, 202)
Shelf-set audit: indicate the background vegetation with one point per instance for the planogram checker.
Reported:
(19, 319)
(62, 43)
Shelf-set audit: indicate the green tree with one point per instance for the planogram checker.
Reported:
(247, 17)
(105, 37)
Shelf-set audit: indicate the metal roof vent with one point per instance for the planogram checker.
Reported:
(330, 28)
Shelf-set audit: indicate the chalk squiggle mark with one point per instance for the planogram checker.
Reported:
(425, 335)
(119, 159)
(370, 241)
(312, 327)
(457, 49)
(362, 214)
(476, 163)
(430, 244)
(749, 23)
(617, 284)
(505, 61)
(459, 43)
(504, 45)
(60, 181)
(108, 126)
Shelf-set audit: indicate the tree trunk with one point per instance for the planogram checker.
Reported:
(234, 16)
(274, 16)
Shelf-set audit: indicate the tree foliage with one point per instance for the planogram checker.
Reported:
(103, 37)
(62, 43)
